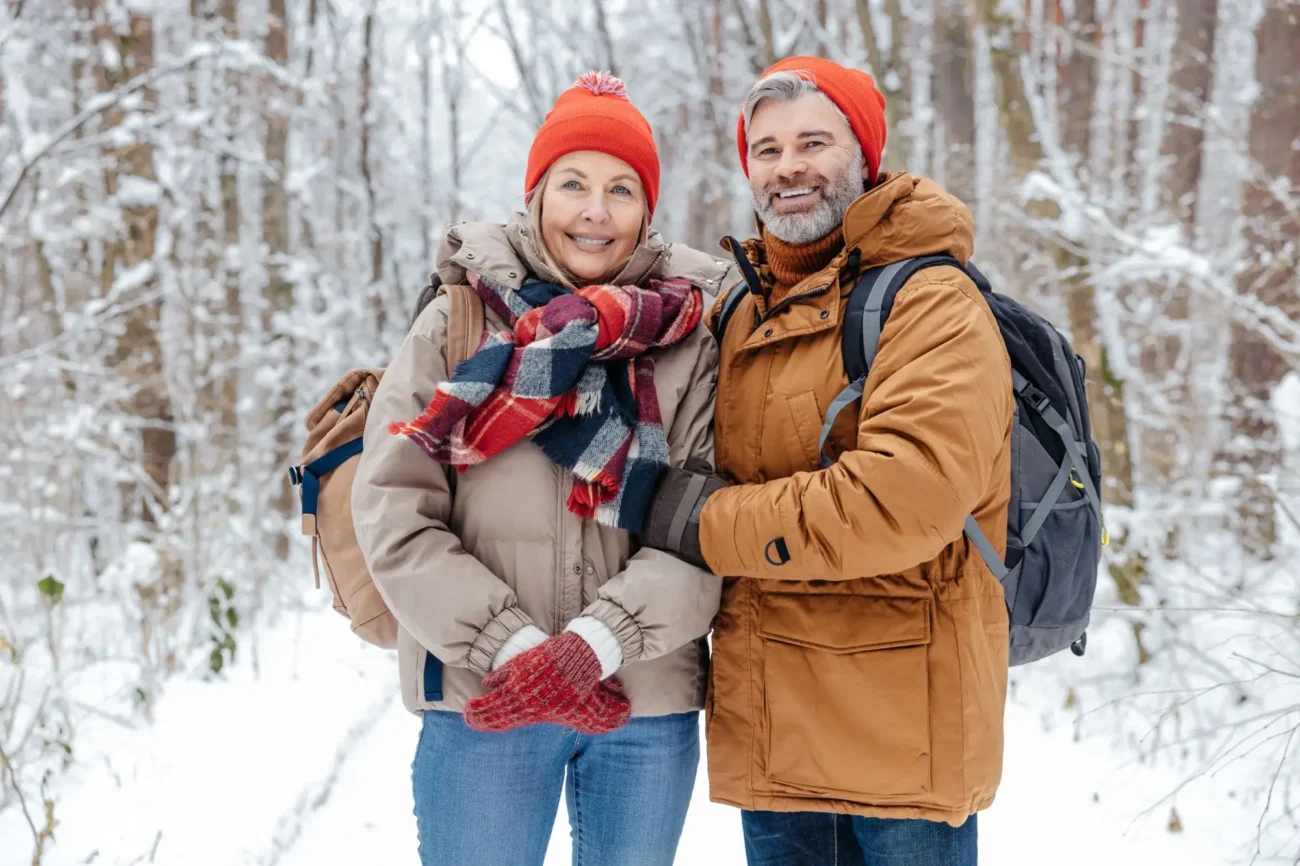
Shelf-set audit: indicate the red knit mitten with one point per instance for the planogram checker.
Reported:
(558, 682)
(607, 709)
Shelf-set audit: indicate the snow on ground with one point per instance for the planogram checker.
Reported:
(307, 762)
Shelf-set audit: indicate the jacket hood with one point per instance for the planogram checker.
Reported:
(506, 254)
(908, 216)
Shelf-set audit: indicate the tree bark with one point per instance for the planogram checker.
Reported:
(1165, 358)
(275, 238)
(1190, 80)
(217, 232)
(425, 52)
(823, 35)
(765, 27)
(893, 77)
(954, 97)
(233, 317)
(1254, 451)
(606, 41)
(138, 355)
(367, 132)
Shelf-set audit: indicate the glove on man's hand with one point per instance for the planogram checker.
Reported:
(673, 519)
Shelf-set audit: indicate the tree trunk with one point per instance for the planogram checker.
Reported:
(1190, 80)
(131, 182)
(425, 52)
(953, 97)
(452, 48)
(233, 317)
(606, 41)
(1077, 93)
(218, 238)
(765, 27)
(823, 34)
(279, 290)
(893, 77)
(1254, 452)
(130, 179)
(367, 132)
(1164, 358)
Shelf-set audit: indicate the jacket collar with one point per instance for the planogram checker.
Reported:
(814, 304)
(906, 216)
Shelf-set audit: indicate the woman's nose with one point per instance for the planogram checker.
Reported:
(595, 210)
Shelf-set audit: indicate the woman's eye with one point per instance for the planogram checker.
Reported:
(622, 190)
(572, 185)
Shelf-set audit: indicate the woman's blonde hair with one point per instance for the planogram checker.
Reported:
(534, 199)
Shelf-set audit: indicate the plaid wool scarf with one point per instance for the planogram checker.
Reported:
(572, 374)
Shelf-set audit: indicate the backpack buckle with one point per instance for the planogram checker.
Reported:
(295, 475)
(1035, 396)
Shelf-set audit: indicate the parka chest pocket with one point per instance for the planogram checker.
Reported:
(846, 693)
(806, 423)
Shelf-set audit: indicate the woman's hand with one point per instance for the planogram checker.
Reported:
(557, 682)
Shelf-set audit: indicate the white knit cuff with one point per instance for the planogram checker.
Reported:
(521, 641)
(602, 640)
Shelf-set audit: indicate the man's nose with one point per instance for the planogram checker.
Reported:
(791, 164)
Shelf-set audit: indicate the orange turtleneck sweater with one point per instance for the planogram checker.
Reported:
(790, 263)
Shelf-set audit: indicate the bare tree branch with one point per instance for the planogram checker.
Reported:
(98, 105)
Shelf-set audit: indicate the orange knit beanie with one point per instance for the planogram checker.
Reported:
(595, 114)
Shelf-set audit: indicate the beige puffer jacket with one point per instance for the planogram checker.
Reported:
(461, 572)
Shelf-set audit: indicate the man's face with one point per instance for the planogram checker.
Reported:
(805, 167)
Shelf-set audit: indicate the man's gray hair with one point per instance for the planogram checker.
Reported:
(787, 86)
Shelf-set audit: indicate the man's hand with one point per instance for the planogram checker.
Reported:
(558, 682)
(673, 520)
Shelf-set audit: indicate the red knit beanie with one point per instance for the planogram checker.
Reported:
(853, 93)
(595, 114)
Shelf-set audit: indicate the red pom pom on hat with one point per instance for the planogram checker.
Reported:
(602, 83)
(596, 114)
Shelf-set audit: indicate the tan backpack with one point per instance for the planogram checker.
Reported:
(329, 465)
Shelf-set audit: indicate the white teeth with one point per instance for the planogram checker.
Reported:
(592, 242)
(791, 193)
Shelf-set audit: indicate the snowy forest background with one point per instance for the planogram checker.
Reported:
(210, 209)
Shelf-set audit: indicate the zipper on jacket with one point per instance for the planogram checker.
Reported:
(785, 302)
(755, 284)
(561, 567)
(849, 268)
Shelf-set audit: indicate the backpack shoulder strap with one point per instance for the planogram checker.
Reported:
(868, 308)
(465, 324)
(870, 304)
(751, 285)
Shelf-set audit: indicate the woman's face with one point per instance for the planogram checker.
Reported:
(593, 208)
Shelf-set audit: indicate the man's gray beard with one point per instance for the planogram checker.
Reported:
(802, 228)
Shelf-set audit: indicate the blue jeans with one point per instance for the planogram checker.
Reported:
(491, 799)
(824, 839)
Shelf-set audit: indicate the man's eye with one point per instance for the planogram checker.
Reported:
(767, 151)
(816, 144)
